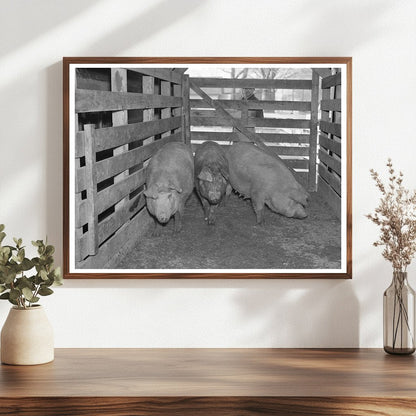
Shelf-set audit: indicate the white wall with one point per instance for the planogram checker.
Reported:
(380, 35)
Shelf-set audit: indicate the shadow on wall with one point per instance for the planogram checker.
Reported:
(301, 313)
(42, 16)
(375, 277)
(287, 313)
(54, 146)
(352, 18)
(156, 18)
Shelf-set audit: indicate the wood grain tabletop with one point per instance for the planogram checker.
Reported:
(270, 377)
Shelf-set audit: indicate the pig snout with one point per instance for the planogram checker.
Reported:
(164, 206)
(163, 218)
(214, 196)
(163, 212)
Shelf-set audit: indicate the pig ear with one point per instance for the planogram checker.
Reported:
(150, 192)
(173, 187)
(205, 175)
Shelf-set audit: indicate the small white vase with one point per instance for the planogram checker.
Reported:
(27, 337)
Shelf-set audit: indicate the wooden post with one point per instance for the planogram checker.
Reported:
(177, 112)
(91, 188)
(119, 84)
(148, 114)
(165, 89)
(313, 144)
(186, 119)
(325, 95)
(78, 201)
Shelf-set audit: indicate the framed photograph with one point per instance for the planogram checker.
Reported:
(207, 167)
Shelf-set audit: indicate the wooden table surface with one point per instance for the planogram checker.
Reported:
(212, 381)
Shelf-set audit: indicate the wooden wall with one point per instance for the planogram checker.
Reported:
(288, 125)
(122, 117)
(329, 168)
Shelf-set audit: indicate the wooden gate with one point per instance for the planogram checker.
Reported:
(286, 125)
(122, 117)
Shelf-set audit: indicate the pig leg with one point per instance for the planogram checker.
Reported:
(206, 206)
(157, 228)
(211, 214)
(178, 217)
(228, 191)
(257, 200)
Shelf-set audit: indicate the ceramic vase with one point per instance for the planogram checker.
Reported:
(27, 337)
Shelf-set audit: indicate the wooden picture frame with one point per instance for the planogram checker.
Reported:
(117, 112)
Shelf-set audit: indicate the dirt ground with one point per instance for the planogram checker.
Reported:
(236, 242)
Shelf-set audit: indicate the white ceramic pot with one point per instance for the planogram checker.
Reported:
(27, 337)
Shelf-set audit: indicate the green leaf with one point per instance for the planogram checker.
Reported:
(21, 255)
(2, 227)
(2, 288)
(17, 241)
(14, 268)
(15, 294)
(58, 277)
(27, 293)
(2, 236)
(5, 250)
(49, 250)
(26, 264)
(24, 282)
(5, 295)
(8, 277)
(37, 243)
(45, 291)
(13, 302)
(43, 274)
(38, 280)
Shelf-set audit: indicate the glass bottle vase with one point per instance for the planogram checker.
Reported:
(399, 316)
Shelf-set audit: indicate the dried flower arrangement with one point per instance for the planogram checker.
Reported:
(396, 216)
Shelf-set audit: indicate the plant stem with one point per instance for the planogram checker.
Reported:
(401, 314)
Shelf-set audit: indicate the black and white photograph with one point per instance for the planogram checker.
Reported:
(207, 168)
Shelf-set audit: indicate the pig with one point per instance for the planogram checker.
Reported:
(266, 180)
(169, 183)
(211, 177)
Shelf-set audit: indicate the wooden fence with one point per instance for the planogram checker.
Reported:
(122, 117)
(329, 168)
(287, 125)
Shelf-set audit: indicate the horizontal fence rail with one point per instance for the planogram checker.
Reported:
(289, 84)
(87, 101)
